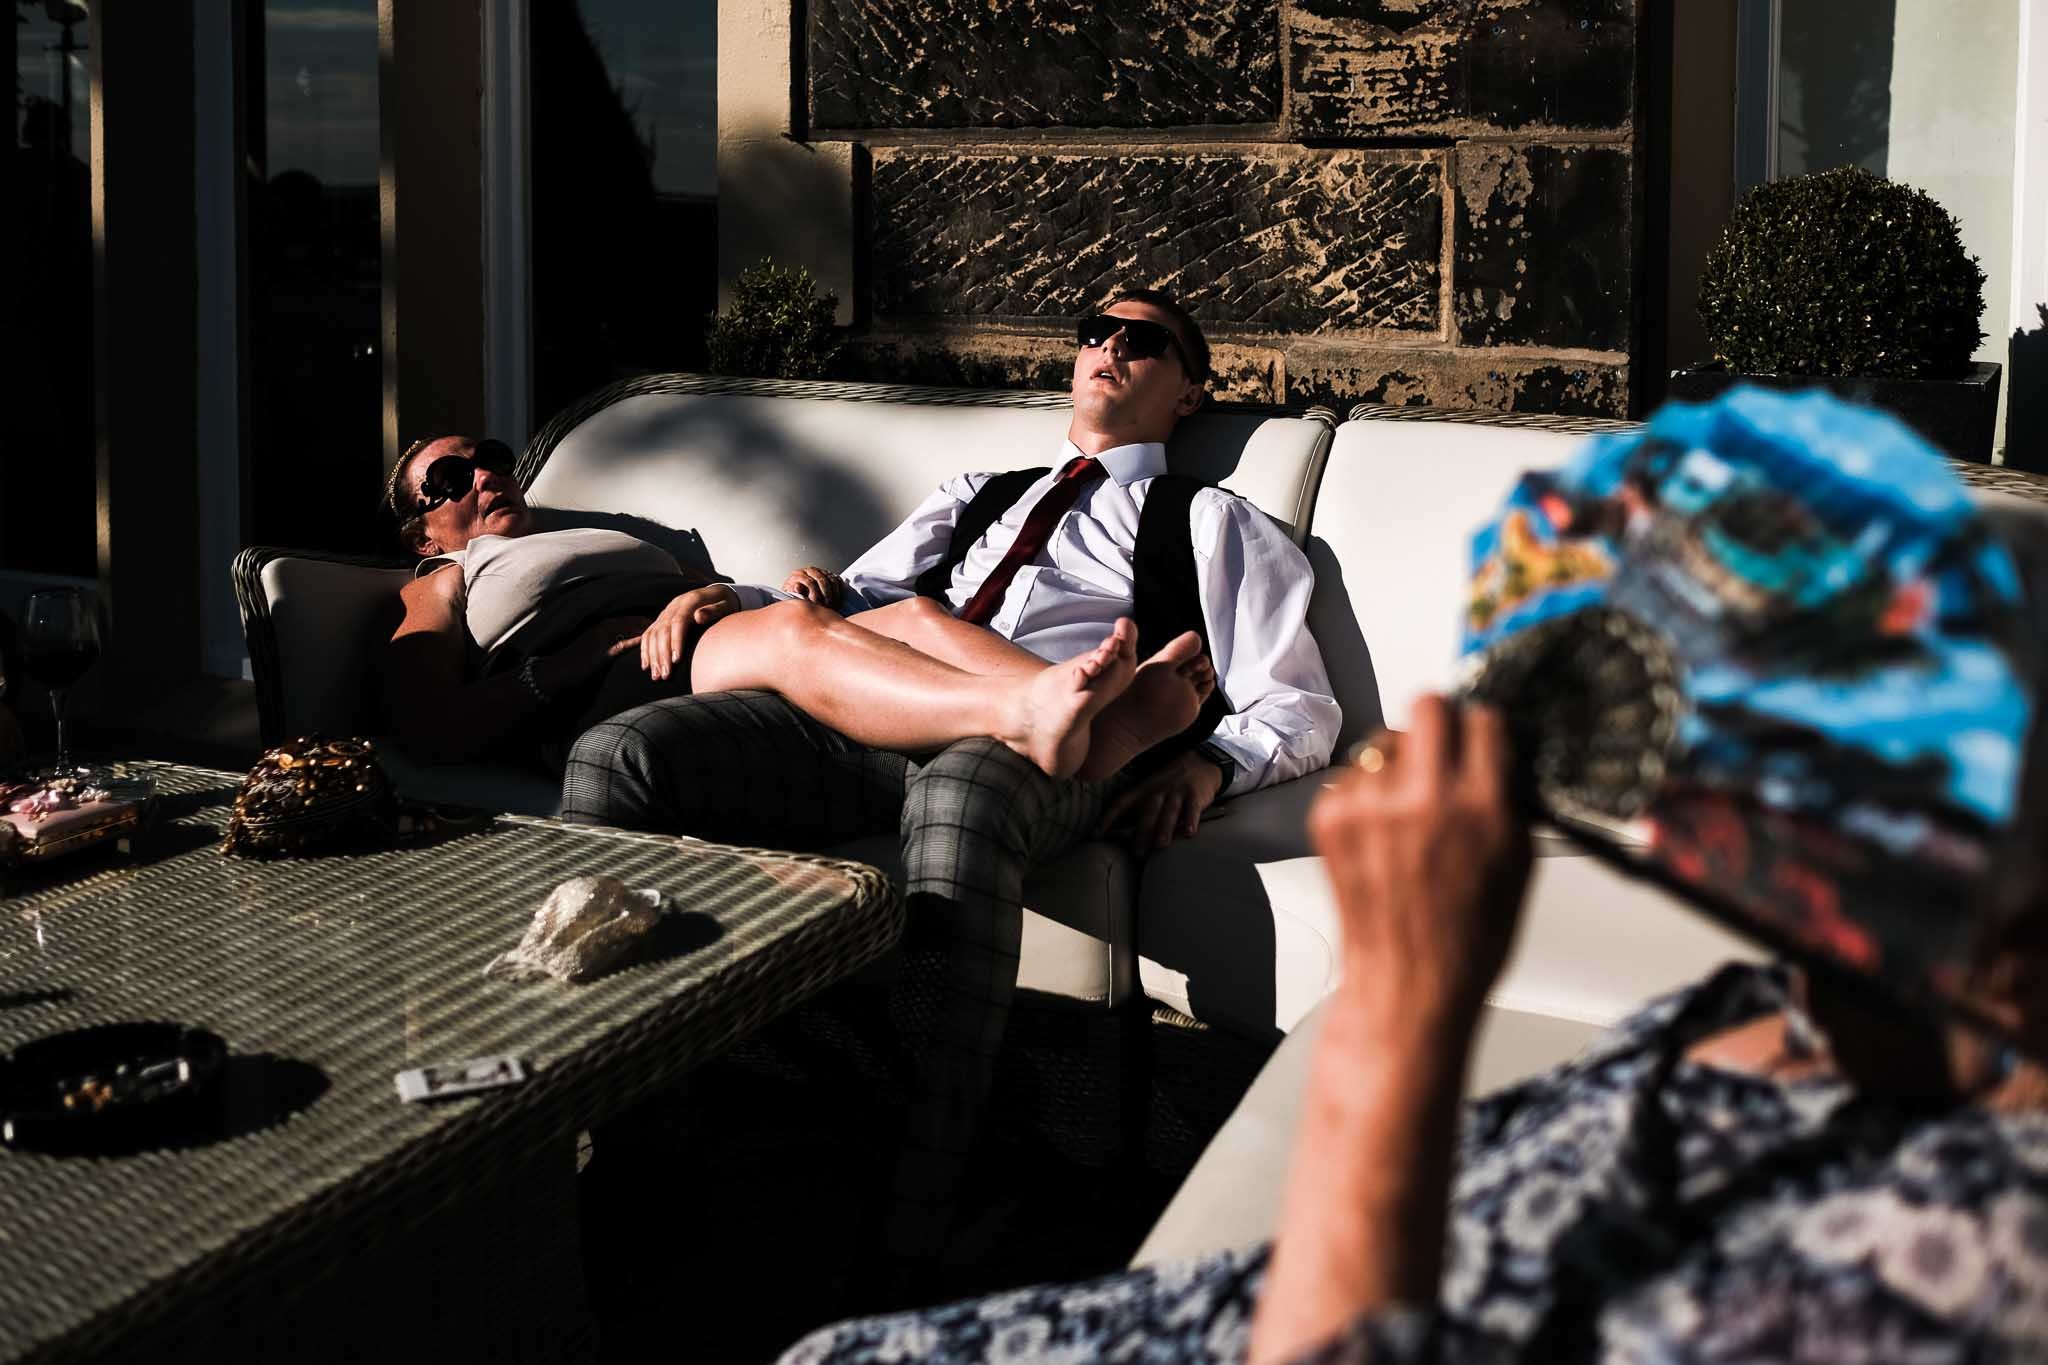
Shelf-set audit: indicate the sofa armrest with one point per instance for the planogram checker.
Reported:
(310, 620)
(1231, 1198)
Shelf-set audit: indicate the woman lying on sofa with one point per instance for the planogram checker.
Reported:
(1750, 1169)
(517, 638)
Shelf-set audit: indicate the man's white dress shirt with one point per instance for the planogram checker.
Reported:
(1253, 583)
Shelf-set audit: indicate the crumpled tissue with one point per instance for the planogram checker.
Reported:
(586, 927)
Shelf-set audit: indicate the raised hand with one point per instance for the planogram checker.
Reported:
(1428, 860)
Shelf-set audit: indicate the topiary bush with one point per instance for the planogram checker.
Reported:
(779, 326)
(1842, 272)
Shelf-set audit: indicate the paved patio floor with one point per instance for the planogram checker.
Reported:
(740, 1226)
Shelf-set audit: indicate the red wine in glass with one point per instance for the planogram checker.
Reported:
(60, 640)
(57, 667)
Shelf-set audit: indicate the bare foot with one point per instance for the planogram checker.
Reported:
(1056, 707)
(1161, 701)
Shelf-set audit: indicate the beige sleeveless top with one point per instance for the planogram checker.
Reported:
(531, 594)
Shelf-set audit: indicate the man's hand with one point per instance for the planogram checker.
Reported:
(1428, 860)
(1168, 805)
(663, 642)
(814, 584)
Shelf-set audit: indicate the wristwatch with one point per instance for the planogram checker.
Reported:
(1222, 760)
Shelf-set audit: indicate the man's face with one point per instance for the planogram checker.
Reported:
(1119, 395)
(490, 503)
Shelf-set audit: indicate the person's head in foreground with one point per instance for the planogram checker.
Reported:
(447, 490)
(1141, 365)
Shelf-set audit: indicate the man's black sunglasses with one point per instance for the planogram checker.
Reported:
(1142, 340)
(451, 476)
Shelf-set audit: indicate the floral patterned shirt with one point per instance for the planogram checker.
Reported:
(1627, 1206)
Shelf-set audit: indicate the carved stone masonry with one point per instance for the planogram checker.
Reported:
(1542, 238)
(1274, 240)
(1043, 63)
(1459, 68)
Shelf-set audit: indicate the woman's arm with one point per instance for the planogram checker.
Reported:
(437, 714)
(1428, 862)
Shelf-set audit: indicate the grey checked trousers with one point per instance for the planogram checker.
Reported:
(748, 767)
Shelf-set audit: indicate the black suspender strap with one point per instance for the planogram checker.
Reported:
(1167, 598)
(993, 499)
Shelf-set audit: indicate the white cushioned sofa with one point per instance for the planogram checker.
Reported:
(1233, 928)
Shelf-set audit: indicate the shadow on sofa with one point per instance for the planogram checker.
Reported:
(1259, 955)
(827, 505)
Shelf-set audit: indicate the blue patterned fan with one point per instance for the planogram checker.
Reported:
(1773, 637)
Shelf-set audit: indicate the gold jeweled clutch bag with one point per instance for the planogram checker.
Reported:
(310, 791)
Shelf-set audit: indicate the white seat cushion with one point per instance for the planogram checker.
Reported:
(1233, 925)
(1238, 928)
(1391, 539)
(325, 617)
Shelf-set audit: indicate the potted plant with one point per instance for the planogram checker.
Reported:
(778, 326)
(1846, 281)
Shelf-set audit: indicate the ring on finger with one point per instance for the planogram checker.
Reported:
(1371, 757)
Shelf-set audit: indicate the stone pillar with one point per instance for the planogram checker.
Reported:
(145, 331)
(431, 201)
(779, 197)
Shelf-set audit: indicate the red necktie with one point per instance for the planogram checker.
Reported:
(1059, 499)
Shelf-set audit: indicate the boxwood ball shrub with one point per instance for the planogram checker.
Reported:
(1842, 272)
(778, 326)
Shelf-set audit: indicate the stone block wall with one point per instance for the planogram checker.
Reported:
(1411, 201)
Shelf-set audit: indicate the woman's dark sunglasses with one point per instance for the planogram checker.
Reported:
(451, 476)
(1142, 340)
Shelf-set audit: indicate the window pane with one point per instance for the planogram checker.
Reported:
(316, 389)
(624, 183)
(47, 490)
(1923, 91)
(1834, 84)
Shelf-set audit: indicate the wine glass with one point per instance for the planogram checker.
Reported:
(60, 640)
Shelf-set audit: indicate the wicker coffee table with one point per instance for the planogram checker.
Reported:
(324, 1218)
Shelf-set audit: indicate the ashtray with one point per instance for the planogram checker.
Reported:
(106, 1087)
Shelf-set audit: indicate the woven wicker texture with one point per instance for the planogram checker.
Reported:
(1481, 417)
(1998, 479)
(363, 964)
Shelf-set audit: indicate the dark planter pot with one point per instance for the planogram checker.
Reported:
(1958, 415)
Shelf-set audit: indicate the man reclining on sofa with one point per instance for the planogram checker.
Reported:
(513, 636)
(1049, 560)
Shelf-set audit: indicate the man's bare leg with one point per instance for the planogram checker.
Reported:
(1163, 700)
(927, 627)
(880, 692)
